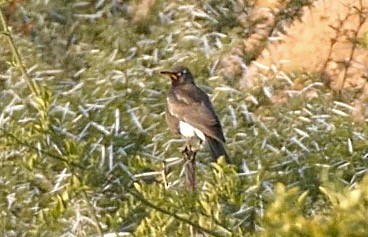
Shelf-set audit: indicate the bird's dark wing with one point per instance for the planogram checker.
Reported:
(217, 149)
(192, 105)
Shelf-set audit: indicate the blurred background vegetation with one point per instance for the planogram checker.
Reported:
(85, 150)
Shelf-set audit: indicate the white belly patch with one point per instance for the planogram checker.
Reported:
(188, 130)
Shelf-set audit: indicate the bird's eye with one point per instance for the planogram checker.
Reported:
(181, 73)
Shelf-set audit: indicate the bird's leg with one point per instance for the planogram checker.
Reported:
(189, 154)
(184, 149)
(190, 150)
(200, 142)
(187, 146)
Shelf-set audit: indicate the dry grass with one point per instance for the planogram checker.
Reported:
(325, 41)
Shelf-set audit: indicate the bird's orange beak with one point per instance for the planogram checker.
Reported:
(172, 75)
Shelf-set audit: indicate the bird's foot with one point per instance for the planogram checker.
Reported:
(189, 152)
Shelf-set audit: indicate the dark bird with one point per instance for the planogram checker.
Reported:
(189, 112)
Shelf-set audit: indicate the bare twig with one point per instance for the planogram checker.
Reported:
(189, 155)
(334, 40)
(362, 18)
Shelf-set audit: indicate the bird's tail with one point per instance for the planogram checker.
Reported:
(217, 149)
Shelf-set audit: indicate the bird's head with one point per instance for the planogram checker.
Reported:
(179, 75)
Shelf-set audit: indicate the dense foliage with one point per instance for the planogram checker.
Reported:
(85, 149)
